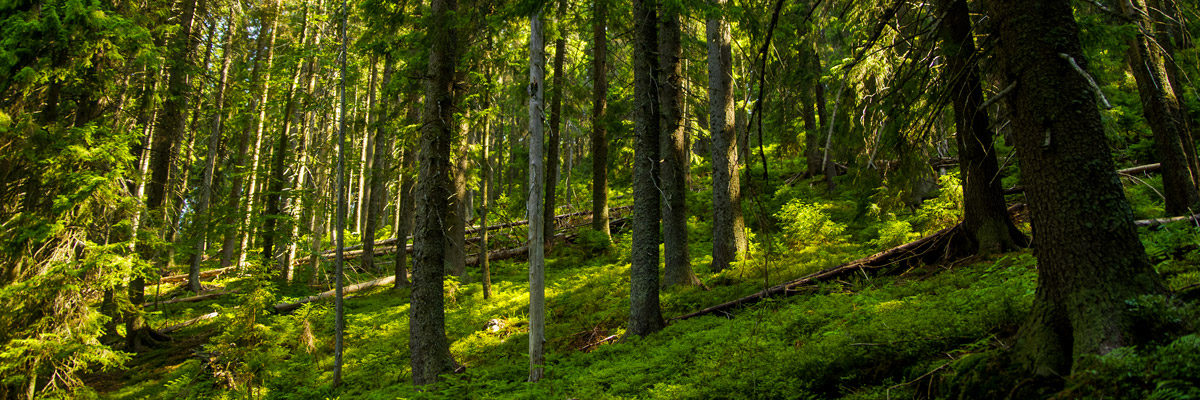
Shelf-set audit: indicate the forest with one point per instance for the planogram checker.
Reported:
(599, 199)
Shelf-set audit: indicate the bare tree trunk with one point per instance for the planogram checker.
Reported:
(339, 318)
(533, 205)
(678, 268)
(645, 317)
(729, 237)
(407, 203)
(367, 172)
(456, 251)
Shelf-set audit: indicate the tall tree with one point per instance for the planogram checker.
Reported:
(533, 205)
(673, 172)
(729, 237)
(210, 161)
(1164, 112)
(985, 214)
(164, 149)
(377, 173)
(406, 202)
(599, 111)
(644, 315)
(556, 121)
(429, 348)
(1089, 257)
(339, 316)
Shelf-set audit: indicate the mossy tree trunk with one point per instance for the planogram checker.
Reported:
(1089, 257)
(599, 112)
(729, 236)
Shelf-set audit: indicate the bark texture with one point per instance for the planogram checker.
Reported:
(1163, 112)
(599, 113)
(1089, 257)
(533, 204)
(729, 236)
(429, 348)
(673, 172)
(645, 317)
(985, 215)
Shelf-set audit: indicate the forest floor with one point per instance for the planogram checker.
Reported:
(910, 331)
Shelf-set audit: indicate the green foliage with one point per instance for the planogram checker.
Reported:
(806, 224)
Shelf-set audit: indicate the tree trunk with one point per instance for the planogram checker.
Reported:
(678, 266)
(429, 348)
(810, 59)
(985, 214)
(484, 185)
(367, 262)
(645, 317)
(232, 244)
(534, 205)
(406, 201)
(164, 148)
(599, 114)
(729, 237)
(456, 251)
(556, 123)
(210, 161)
(274, 210)
(379, 167)
(1090, 260)
(253, 188)
(1163, 111)
(339, 318)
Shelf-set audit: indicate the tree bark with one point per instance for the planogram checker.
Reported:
(534, 205)
(673, 172)
(645, 317)
(599, 114)
(985, 215)
(556, 123)
(164, 149)
(210, 161)
(407, 203)
(429, 348)
(729, 237)
(372, 170)
(1089, 257)
(1163, 111)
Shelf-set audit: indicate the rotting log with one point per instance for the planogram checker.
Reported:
(917, 249)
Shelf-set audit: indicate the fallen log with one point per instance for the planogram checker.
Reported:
(183, 324)
(916, 249)
(1195, 218)
(385, 281)
(476, 229)
(212, 273)
(206, 296)
(1127, 172)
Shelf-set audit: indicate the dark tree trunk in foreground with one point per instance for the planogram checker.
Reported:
(729, 236)
(985, 213)
(429, 348)
(599, 111)
(644, 315)
(1089, 258)
(1163, 112)
(678, 268)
